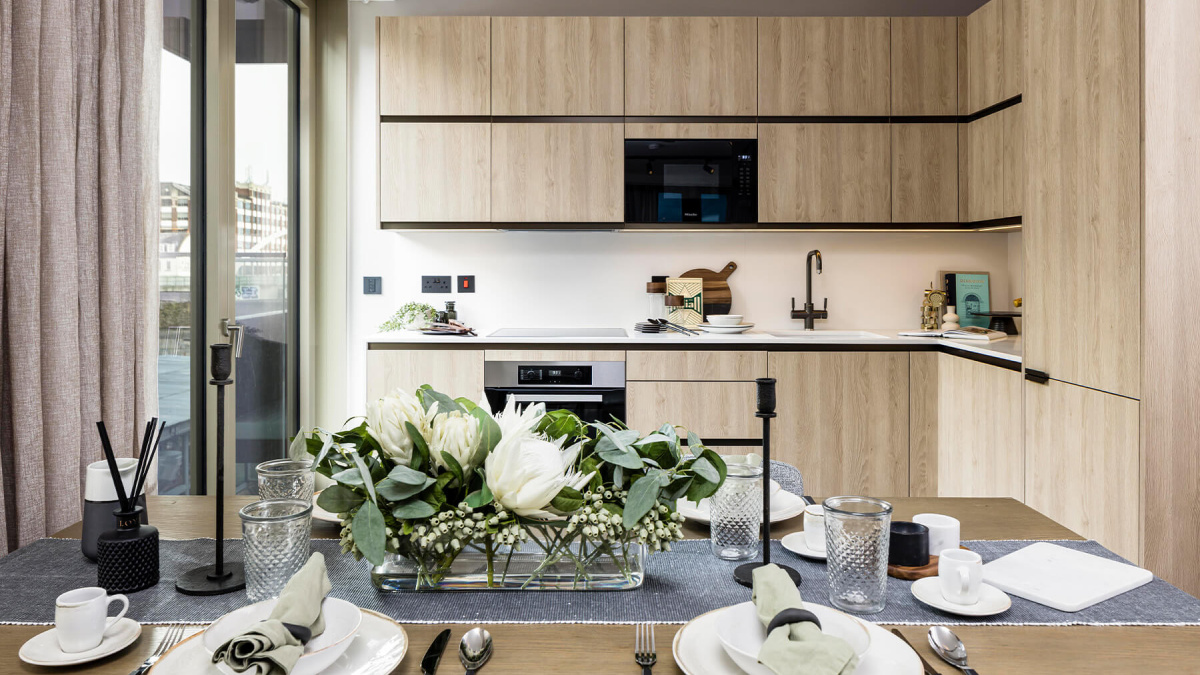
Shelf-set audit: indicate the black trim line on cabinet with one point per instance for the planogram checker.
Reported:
(990, 110)
(1008, 223)
(732, 442)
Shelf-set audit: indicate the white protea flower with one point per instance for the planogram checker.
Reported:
(385, 420)
(455, 433)
(525, 473)
(518, 423)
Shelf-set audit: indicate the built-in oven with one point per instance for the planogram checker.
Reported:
(593, 390)
(691, 181)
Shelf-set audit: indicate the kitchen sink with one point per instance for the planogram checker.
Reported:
(826, 334)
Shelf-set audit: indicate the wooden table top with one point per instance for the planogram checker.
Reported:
(556, 648)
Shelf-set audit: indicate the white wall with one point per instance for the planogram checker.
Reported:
(872, 280)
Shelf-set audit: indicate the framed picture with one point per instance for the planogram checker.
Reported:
(692, 291)
(970, 293)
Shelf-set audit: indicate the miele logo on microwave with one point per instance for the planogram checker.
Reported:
(691, 214)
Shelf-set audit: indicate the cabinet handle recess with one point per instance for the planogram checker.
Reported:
(1036, 376)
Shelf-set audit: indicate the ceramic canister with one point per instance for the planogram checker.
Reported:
(100, 501)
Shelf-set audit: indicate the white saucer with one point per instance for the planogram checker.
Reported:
(43, 650)
(784, 506)
(991, 601)
(739, 328)
(698, 651)
(796, 543)
(319, 513)
(378, 647)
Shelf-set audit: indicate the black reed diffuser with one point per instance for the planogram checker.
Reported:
(127, 557)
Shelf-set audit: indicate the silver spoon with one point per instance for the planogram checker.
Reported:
(475, 649)
(947, 645)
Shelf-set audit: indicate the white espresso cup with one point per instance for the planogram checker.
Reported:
(81, 618)
(814, 527)
(960, 574)
(943, 531)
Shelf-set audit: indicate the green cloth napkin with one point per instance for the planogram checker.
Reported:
(798, 648)
(268, 647)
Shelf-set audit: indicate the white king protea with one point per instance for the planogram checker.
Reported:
(455, 433)
(525, 472)
(385, 420)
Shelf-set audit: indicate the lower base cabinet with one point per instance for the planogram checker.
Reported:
(843, 420)
(713, 410)
(454, 372)
(1082, 462)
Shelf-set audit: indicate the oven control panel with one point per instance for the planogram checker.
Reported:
(554, 374)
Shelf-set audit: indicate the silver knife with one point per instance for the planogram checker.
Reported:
(433, 655)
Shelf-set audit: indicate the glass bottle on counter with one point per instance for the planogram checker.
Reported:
(451, 314)
(656, 293)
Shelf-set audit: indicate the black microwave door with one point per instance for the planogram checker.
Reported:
(690, 181)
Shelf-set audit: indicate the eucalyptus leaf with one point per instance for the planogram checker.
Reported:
(454, 467)
(642, 497)
(481, 497)
(695, 445)
(349, 477)
(704, 468)
(429, 396)
(403, 474)
(414, 509)
(489, 435)
(325, 447)
(567, 500)
(368, 482)
(614, 447)
(369, 533)
(420, 447)
(618, 477)
(395, 491)
(677, 488)
(339, 499)
(467, 404)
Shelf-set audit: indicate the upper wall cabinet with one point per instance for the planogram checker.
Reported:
(690, 66)
(824, 173)
(924, 173)
(994, 60)
(434, 65)
(558, 65)
(455, 187)
(924, 65)
(558, 172)
(824, 66)
(993, 167)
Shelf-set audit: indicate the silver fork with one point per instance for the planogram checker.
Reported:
(172, 638)
(643, 648)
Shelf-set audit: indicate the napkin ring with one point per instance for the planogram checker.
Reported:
(790, 616)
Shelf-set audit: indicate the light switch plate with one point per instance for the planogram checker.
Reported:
(466, 284)
(372, 285)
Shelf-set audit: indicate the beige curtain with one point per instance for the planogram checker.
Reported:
(72, 250)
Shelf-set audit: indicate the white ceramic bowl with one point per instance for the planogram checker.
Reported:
(742, 634)
(725, 319)
(342, 620)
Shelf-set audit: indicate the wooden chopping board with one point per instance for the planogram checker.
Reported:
(717, 297)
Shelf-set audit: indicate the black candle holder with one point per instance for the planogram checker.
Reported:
(127, 557)
(744, 574)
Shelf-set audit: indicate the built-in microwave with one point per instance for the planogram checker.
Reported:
(691, 181)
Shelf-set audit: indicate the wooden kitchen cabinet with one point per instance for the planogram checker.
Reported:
(843, 420)
(993, 174)
(824, 65)
(924, 173)
(434, 172)
(707, 365)
(924, 65)
(690, 65)
(434, 65)
(558, 65)
(993, 59)
(824, 173)
(558, 172)
(1083, 204)
(714, 410)
(454, 372)
(1082, 462)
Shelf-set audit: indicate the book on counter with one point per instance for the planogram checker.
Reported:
(964, 333)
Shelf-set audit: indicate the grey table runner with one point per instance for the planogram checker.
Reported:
(680, 585)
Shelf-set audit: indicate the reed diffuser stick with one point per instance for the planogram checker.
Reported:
(112, 466)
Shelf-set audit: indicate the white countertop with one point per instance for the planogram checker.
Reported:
(1008, 349)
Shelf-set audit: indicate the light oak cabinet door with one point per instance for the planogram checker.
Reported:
(924, 65)
(558, 65)
(824, 173)
(1082, 462)
(924, 173)
(1082, 227)
(454, 372)
(993, 176)
(435, 172)
(690, 65)
(434, 65)
(843, 420)
(710, 365)
(558, 172)
(714, 410)
(824, 65)
(993, 65)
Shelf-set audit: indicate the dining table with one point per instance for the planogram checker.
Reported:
(523, 648)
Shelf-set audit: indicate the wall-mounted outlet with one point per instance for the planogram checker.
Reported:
(435, 284)
(372, 285)
(466, 284)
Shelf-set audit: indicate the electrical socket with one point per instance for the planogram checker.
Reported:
(435, 284)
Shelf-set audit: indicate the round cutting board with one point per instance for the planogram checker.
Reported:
(717, 297)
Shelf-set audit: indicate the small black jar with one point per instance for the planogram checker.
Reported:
(127, 557)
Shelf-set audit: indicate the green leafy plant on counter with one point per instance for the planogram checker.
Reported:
(411, 316)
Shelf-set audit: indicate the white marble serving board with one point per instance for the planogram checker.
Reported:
(1062, 578)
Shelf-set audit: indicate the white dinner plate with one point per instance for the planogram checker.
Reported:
(377, 649)
(319, 513)
(342, 620)
(798, 544)
(784, 505)
(742, 634)
(723, 330)
(992, 600)
(43, 650)
(698, 651)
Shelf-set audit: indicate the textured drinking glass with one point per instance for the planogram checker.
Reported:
(276, 534)
(286, 479)
(856, 541)
(735, 513)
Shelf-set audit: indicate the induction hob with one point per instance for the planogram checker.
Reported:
(560, 333)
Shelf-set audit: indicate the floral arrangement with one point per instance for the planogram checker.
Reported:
(425, 477)
(410, 316)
